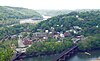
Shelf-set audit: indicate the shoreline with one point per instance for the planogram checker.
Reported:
(29, 56)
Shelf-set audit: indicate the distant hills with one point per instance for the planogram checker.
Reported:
(53, 12)
(62, 12)
(7, 12)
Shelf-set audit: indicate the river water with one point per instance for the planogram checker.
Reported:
(78, 57)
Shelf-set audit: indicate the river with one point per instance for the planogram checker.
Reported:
(78, 57)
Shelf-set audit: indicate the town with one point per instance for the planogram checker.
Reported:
(28, 34)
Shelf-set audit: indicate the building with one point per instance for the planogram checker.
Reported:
(39, 36)
(67, 34)
(20, 42)
(27, 41)
(62, 35)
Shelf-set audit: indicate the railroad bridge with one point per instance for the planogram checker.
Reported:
(17, 56)
(66, 54)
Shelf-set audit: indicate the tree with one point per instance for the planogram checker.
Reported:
(5, 53)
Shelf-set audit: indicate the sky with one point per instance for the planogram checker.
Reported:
(53, 4)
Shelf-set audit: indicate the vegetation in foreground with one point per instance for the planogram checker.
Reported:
(51, 46)
(5, 52)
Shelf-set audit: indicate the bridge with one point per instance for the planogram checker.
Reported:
(66, 54)
(16, 56)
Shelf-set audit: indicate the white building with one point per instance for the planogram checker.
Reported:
(62, 35)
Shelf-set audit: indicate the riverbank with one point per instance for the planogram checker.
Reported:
(30, 21)
(50, 46)
(89, 55)
(93, 54)
(89, 43)
(53, 47)
(46, 48)
(96, 60)
(41, 58)
(80, 56)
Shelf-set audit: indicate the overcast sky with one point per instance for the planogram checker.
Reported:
(53, 4)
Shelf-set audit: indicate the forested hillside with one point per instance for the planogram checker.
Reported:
(88, 21)
(17, 13)
(11, 15)
(6, 32)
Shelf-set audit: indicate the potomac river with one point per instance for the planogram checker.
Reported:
(81, 56)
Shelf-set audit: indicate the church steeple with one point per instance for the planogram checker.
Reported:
(20, 42)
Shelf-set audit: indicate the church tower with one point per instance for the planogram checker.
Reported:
(20, 42)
